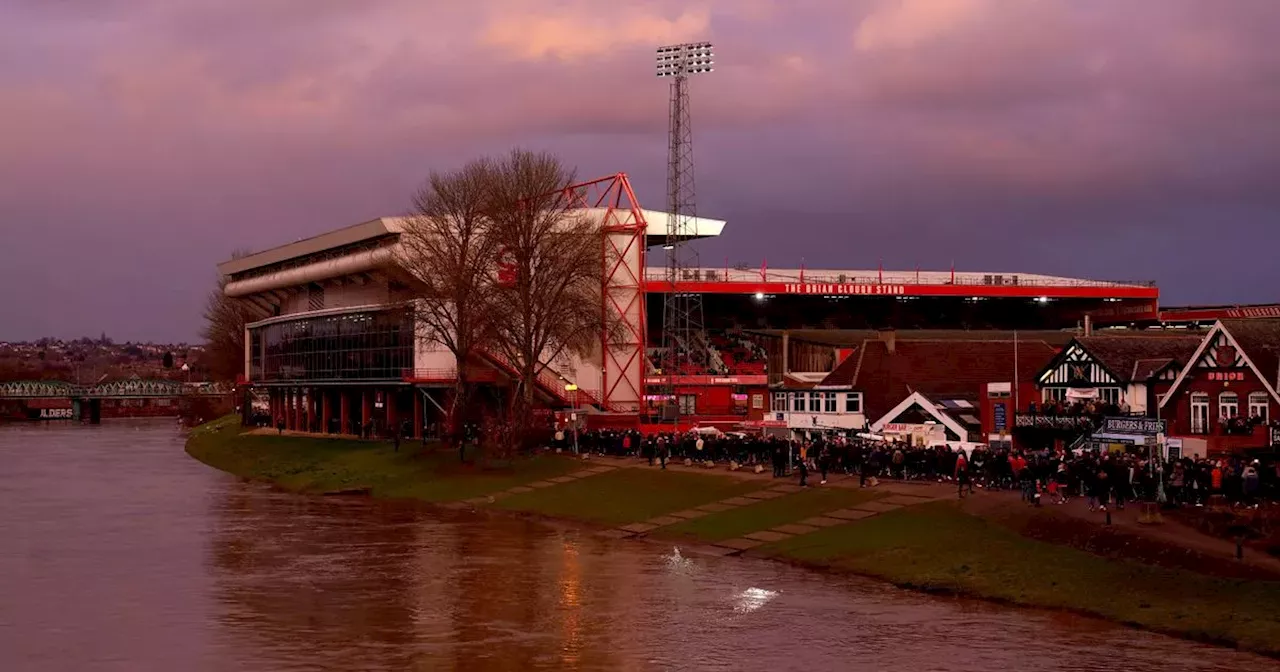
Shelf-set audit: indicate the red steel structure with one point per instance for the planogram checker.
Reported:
(622, 261)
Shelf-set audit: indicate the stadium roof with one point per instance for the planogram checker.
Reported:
(386, 227)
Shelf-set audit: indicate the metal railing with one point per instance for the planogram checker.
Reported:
(448, 375)
(880, 277)
(552, 382)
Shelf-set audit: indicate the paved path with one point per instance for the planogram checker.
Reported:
(896, 495)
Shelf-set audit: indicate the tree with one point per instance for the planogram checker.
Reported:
(167, 361)
(552, 304)
(446, 254)
(223, 332)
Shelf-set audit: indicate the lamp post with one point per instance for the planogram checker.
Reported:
(574, 414)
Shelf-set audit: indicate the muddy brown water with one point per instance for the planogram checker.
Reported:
(119, 552)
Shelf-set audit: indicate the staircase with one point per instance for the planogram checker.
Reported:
(548, 381)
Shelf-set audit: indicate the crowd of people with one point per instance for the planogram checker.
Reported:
(1043, 476)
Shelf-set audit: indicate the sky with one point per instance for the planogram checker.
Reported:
(143, 141)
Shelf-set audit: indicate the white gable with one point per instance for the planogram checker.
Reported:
(1077, 367)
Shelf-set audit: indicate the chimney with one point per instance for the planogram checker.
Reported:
(890, 339)
(1088, 324)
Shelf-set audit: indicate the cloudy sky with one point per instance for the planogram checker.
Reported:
(142, 141)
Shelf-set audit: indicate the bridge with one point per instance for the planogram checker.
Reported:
(61, 400)
(131, 388)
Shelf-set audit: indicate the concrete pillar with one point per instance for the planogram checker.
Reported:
(298, 415)
(344, 413)
(285, 415)
(326, 411)
(393, 426)
(313, 410)
(366, 409)
(418, 415)
(274, 396)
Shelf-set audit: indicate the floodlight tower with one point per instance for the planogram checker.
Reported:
(682, 326)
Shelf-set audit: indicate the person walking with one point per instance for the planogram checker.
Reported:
(824, 463)
(962, 475)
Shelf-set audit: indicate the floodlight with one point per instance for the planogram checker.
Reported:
(681, 60)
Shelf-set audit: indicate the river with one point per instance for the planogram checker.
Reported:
(119, 552)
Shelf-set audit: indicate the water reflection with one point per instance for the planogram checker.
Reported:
(121, 553)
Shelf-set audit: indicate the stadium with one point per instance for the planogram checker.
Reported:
(332, 347)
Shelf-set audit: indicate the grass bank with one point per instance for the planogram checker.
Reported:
(939, 548)
(626, 496)
(319, 465)
(936, 547)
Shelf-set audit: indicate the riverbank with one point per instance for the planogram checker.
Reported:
(914, 536)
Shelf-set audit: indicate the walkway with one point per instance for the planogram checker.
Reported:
(897, 495)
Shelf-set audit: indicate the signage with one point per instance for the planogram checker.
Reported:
(1124, 312)
(1000, 415)
(507, 268)
(1254, 311)
(708, 380)
(845, 289)
(1275, 436)
(1173, 449)
(1139, 426)
(56, 414)
(1077, 373)
(1226, 376)
(1053, 421)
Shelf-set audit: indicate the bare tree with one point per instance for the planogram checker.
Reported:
(446, 255)
(551, 304)
(223, 332)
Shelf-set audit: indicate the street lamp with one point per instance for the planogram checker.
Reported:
(574, 416)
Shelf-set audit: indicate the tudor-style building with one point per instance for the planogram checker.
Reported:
(1123, 373)
(1226, 394)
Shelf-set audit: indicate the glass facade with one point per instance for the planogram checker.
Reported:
(352, 346)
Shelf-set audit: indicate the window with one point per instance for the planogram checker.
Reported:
(1228, 405)
(779, 401)
(830, 403)
(352, 346)
(1199, 413)
(1109, 395)
(1258, 405)
(853, 402)
(815, 402)
(1055, 394)
(797, 401)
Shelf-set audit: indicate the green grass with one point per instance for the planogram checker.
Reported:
(626, 496)
(937, 546)
(313, 464)
(769, 513)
